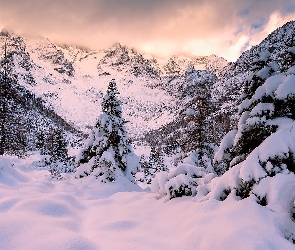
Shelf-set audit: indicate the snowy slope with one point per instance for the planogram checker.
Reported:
(37, 212)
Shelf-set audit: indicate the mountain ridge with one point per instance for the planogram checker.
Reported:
(73, 80)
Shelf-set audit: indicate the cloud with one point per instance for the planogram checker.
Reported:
(202, 27)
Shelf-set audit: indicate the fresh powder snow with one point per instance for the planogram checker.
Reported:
(38, 212)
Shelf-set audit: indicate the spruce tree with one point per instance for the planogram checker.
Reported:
(58, 148)
(253, 125)
(40, 142)
(197, 116)
(289, 58)
(108, 152)
(262, 148)
(155, 164)
(54, 146)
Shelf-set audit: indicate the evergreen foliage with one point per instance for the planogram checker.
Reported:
(54, 146)
(289, 58)
(12, 128)
(185, 178)
(108, 152)
(191, 129)
(259, 155)
(253, 124)
(152, 165)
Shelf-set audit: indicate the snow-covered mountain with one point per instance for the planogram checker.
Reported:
(73, 80)
(177, 65)
(23, 114)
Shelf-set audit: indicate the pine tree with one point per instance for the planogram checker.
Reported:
(58, 148)
(286, 106)
(256, 129)
(197, 117)
(143, 166)
(54, 145)
(289, 58)
(262, 148)
(155, 164)
(108, 152)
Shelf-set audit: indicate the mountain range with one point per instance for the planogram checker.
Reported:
(154, 91)
(73, 80)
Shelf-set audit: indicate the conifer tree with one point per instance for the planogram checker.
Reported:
(54, 146)
(108, 152)
(289, 58)
(154, 164)
(197, 116)
(143, 169)
(260, 153)
(286, 106)
(256, 129)
(58, 146)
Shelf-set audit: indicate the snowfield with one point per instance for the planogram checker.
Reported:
(38, 212)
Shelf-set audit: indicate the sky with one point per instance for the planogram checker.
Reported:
(160, 27)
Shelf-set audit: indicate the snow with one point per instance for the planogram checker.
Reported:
(261, 108)
(242, 121)
(269, 87)
(244, 105)
(251, 168)
(189, 111)
(37, 212)
(282, 143)
(263, 73)
(291, 71)
(287, 88)
(279, 191)
(278, 86)
(226, 143)
(76, 96)
(265, 168)
(263, 56)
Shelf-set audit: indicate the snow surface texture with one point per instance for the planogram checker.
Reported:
(37, 212)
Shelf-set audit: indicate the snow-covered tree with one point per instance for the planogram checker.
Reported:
(196, 115)
(289, 58)
(54, 147)
(108, 152)
(185, 178)
(57, 145)
(253, 125)
(263, 145)
(152, 165)
(40, 141)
